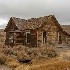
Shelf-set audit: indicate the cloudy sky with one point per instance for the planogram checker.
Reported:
(34, 8)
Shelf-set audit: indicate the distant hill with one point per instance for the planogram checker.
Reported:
(1, 30)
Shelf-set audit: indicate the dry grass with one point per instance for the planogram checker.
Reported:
(12, 63)
(51, 64)
(3, 58)
(10, 56)
(58, 65)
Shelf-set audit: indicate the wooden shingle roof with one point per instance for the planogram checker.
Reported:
(32, 23)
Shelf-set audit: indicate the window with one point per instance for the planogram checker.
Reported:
(11, 39)
(59, 38)
(27, 37)
(44, 37)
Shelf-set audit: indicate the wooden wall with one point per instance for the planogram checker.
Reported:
(52, 35)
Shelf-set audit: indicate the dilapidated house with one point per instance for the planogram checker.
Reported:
(35, 31)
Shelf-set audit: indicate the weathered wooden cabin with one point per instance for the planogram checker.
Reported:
(35, 31)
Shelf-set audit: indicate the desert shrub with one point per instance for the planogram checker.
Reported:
(33, 52)
(19, 47)
(9, 51)
(52, 54)
(22, 55)
(3, 58)
(44, 52)
(12, 61)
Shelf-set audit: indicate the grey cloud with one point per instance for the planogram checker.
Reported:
(35, 8)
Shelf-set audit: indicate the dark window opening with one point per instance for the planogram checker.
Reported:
(28, 37)
(59, 38)
(44, 37)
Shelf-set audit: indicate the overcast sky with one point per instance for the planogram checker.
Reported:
(34, 8)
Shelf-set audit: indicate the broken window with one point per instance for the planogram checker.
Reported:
(11, 40)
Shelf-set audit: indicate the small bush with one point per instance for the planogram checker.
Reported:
(52, 54)
(9, 51)
(22, 55)
(3, 58)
